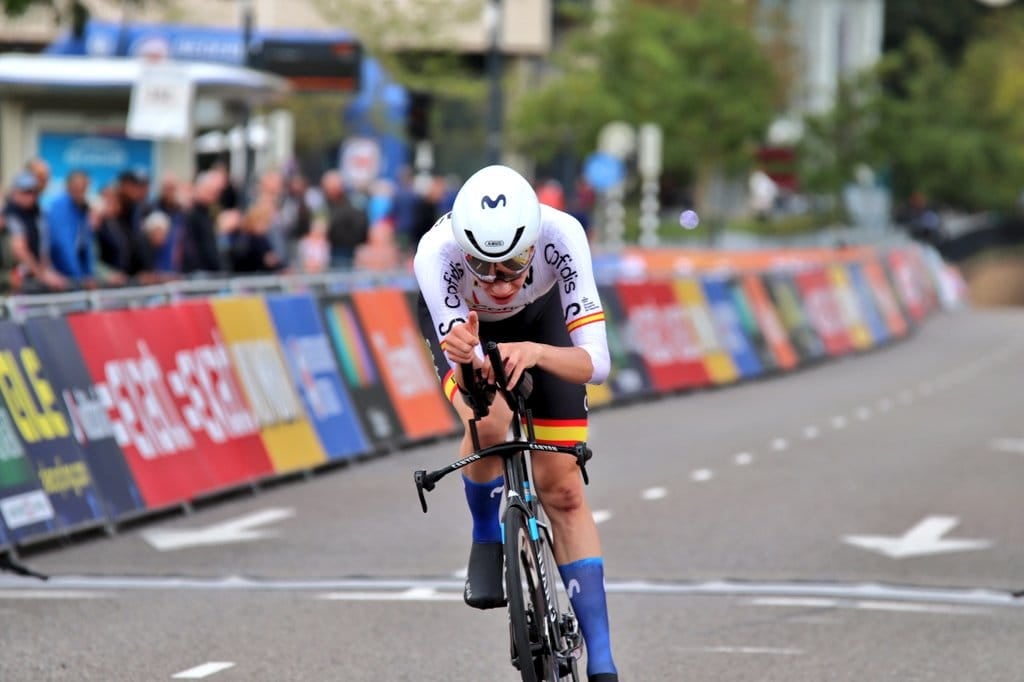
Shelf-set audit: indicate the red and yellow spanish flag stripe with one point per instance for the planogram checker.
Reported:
(560, 431)
(585, 320)
(450, 387)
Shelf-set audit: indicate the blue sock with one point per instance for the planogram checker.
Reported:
(584, 581)
(485, 507)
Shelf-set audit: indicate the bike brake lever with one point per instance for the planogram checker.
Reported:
(422, 484)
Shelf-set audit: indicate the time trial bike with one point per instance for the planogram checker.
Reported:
(545, 637)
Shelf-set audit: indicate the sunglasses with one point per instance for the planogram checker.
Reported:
(488, 272)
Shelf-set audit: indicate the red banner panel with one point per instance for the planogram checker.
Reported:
(660, 331)
(823, 310)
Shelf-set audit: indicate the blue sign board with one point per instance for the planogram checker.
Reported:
(315, 372)
(603, 171)
(101, 156)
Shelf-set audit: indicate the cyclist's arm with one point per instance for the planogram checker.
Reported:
(584, 315)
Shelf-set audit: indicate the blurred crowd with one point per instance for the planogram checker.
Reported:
(130, 232)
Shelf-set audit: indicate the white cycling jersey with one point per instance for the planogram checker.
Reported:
(562, 259)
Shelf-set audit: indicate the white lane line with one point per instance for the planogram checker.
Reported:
(1008, 445)
(601, 515)
(51, 594)
(751, 650)
(907, 397)
(461, 573)
(655, 493)
(204, 670)
(412, 594)
(885, 404)
(809, 602)
(743, 459)
(779, 444)
(811, 432)
(839, 422)
(869, 605)
(863, 413)
(702, 475)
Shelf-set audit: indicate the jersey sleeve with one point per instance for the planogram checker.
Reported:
(569, 255)
(440, 277)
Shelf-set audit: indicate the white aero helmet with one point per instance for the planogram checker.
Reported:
(496, 215)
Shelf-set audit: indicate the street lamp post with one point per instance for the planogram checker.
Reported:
(492, 21)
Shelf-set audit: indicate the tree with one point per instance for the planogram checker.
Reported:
(697, 72)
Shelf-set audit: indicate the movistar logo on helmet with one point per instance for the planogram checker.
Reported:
(488, 202)
(495, 242)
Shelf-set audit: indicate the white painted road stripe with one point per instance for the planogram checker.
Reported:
(779, 444)
(601, 515)
(750, 650)
(702, 475)
(50, 594)
(863, 413)
(655, 493)
(839, 422)
(412, 594)
(868, 605)
(811, 432)
(204, 670)
(743, 459)
(1008, 445)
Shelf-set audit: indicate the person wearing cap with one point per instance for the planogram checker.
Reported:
(29, 238)
(70, 232)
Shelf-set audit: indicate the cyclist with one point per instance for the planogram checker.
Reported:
(504, 267)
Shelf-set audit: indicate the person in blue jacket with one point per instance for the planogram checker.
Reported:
(70, 230)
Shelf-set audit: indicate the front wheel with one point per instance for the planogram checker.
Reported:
(526, 614)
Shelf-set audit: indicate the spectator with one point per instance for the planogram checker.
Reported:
(156, 231)
(429, 191)
(132, 189)
(199, 249)
(250, 248)
(169, 202)
(403, 207)
(296, 215)
(70, 230)
(347, 226)
(29, 238)
(115, 243)
(41, 170)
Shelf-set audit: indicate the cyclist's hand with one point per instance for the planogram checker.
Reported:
(519, 356)
(461, 341)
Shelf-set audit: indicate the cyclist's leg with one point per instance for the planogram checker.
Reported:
(482, 481)
(560, 416)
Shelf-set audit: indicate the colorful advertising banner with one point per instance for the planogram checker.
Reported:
(768, 322)
(872, 318)
(884, 298)
(701, 324)
(90, 425)
(263, 375)
(359, 370)
(906, 285)
(627, 378)
(822, 310)
(659, 332)
(24, 507)
(45, 434)
(784, 294)
(178, 414)
(850, 309)
(729, 326)
(410, 379)
(314, 372)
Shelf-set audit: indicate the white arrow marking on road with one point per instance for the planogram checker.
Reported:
(204, 670)
(234, 530)
(923, 539)
(1008, 445)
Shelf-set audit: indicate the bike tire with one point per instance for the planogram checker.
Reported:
(521, 609)
(563, 668)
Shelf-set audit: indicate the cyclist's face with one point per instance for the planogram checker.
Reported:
(501, 289)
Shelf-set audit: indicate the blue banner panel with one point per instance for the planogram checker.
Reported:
(750, 325)
(873, 318)
(90, 424)
(44, 430)
(729, 327)
(315, 372)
